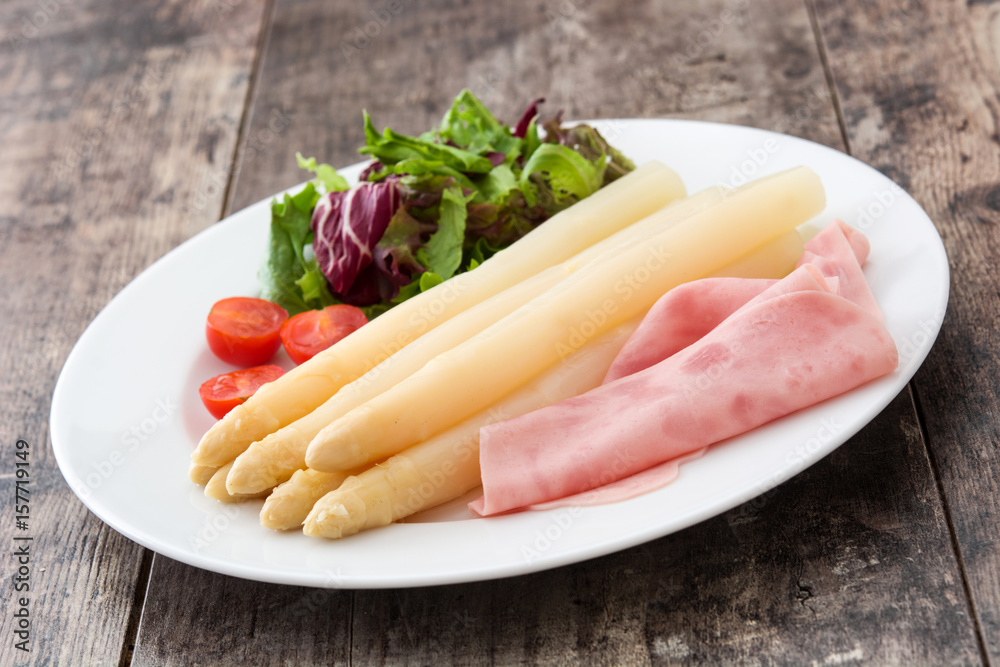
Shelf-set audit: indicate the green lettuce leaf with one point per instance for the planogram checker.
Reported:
(421, 283)
(429, 279)
(570, 176)
(417, 167)
(479, 252)
(289, 277)
(326, 175)
(442, 254)
(531, 140)
(470, 125)
(391, 147)
(495, 186)
(588, 142)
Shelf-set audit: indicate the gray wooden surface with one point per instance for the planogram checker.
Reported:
(918, 85)
(127, 127)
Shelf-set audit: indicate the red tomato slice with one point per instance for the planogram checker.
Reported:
(244, 331)
(224, 392)
(306, 334)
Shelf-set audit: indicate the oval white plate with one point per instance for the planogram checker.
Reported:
(126, 413)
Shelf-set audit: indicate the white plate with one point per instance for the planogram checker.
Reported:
(126, 413)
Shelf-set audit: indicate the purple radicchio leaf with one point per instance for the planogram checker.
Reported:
(370, 287)
(373, 168)
(395, 254)
(521, 129)
(347, 226)
(393, 262)
(555, 133)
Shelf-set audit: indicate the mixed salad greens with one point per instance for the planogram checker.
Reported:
(427, 207)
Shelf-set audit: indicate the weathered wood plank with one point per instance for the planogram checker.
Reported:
(849, 562)
(918, 83)
(111, 115)
(208, 619)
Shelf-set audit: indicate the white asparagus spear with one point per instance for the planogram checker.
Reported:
(216, 488)
(773, 260)
(619, 285)
(446, 466)
(201, 474)
(273, 459)
(289, 504)
(301, 390)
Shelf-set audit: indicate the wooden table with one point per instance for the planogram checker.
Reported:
(127, 126)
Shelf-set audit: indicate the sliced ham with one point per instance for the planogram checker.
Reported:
(689, 311)
(790, 344)
(839, 251)
(681, 317)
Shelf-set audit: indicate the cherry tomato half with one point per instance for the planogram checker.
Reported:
(306, 334)
(224, 392)
(244, 331)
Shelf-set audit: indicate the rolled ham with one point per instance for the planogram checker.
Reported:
(689, 311)
(760, 350)
(680, 318)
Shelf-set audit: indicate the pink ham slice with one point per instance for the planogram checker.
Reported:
(839, 251)
(680, 318)
(813, 335)
(689, 311)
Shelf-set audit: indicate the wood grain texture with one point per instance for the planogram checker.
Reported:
(849, 562)
(209, 619)
(918, 83)
(112, 115)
